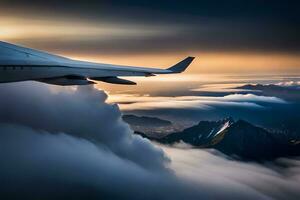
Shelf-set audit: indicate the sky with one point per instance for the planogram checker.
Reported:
(254, 41)
(71, 142)
(225, 36)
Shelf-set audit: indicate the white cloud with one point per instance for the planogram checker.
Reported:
(289, 83)
(80, 112)
(216, 172)
(135, 102)
(253, 98)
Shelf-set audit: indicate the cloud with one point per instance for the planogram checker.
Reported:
(59, 143)
(270, 105)
(253, 98)
(40, 165)
(80, 112)
(278, 180)
(289, 83)
(67, 143)
(134, 102)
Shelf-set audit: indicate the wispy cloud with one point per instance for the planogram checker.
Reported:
(289, 83)
(135, 102)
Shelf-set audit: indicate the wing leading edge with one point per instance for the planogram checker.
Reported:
(21, 64)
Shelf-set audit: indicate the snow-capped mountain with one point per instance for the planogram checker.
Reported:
(236, 138)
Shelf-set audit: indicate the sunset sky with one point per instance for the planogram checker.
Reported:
(226, 128)
(240, 37)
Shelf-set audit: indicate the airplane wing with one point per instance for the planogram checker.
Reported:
(21, 64)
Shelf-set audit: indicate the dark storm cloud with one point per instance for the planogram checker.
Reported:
(194, 25)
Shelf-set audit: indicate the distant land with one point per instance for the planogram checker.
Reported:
(152, 126)
(238, 139)
(286, 92)
(145, 121)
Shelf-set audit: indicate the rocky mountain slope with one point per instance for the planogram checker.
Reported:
(236, 138)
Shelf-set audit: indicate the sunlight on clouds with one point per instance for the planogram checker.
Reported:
(243, 63)
(146, 102)
(187, 83)
(67, 37)
(253, 98)
(289, 83)
(74, 39)
(224, 87)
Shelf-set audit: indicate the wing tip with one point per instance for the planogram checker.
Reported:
(182, 65)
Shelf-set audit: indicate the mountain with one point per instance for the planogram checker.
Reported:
(238, 139)
(255, 143)
(145, 121)
(198, 135)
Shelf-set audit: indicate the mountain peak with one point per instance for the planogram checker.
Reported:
(239, 138)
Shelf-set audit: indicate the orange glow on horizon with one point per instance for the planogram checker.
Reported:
(31, 31)
(210, 62)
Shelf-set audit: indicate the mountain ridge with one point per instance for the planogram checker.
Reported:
(235, 138)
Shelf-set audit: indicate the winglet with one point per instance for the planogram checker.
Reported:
(182, 65)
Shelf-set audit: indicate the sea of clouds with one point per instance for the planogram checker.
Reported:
(68, 143)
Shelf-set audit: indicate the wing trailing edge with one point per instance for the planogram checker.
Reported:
(114, 80)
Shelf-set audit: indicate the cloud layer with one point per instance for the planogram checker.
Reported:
(80, 112)
(132, 102)
(270, 100)
(58, 143)
(278, 180)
